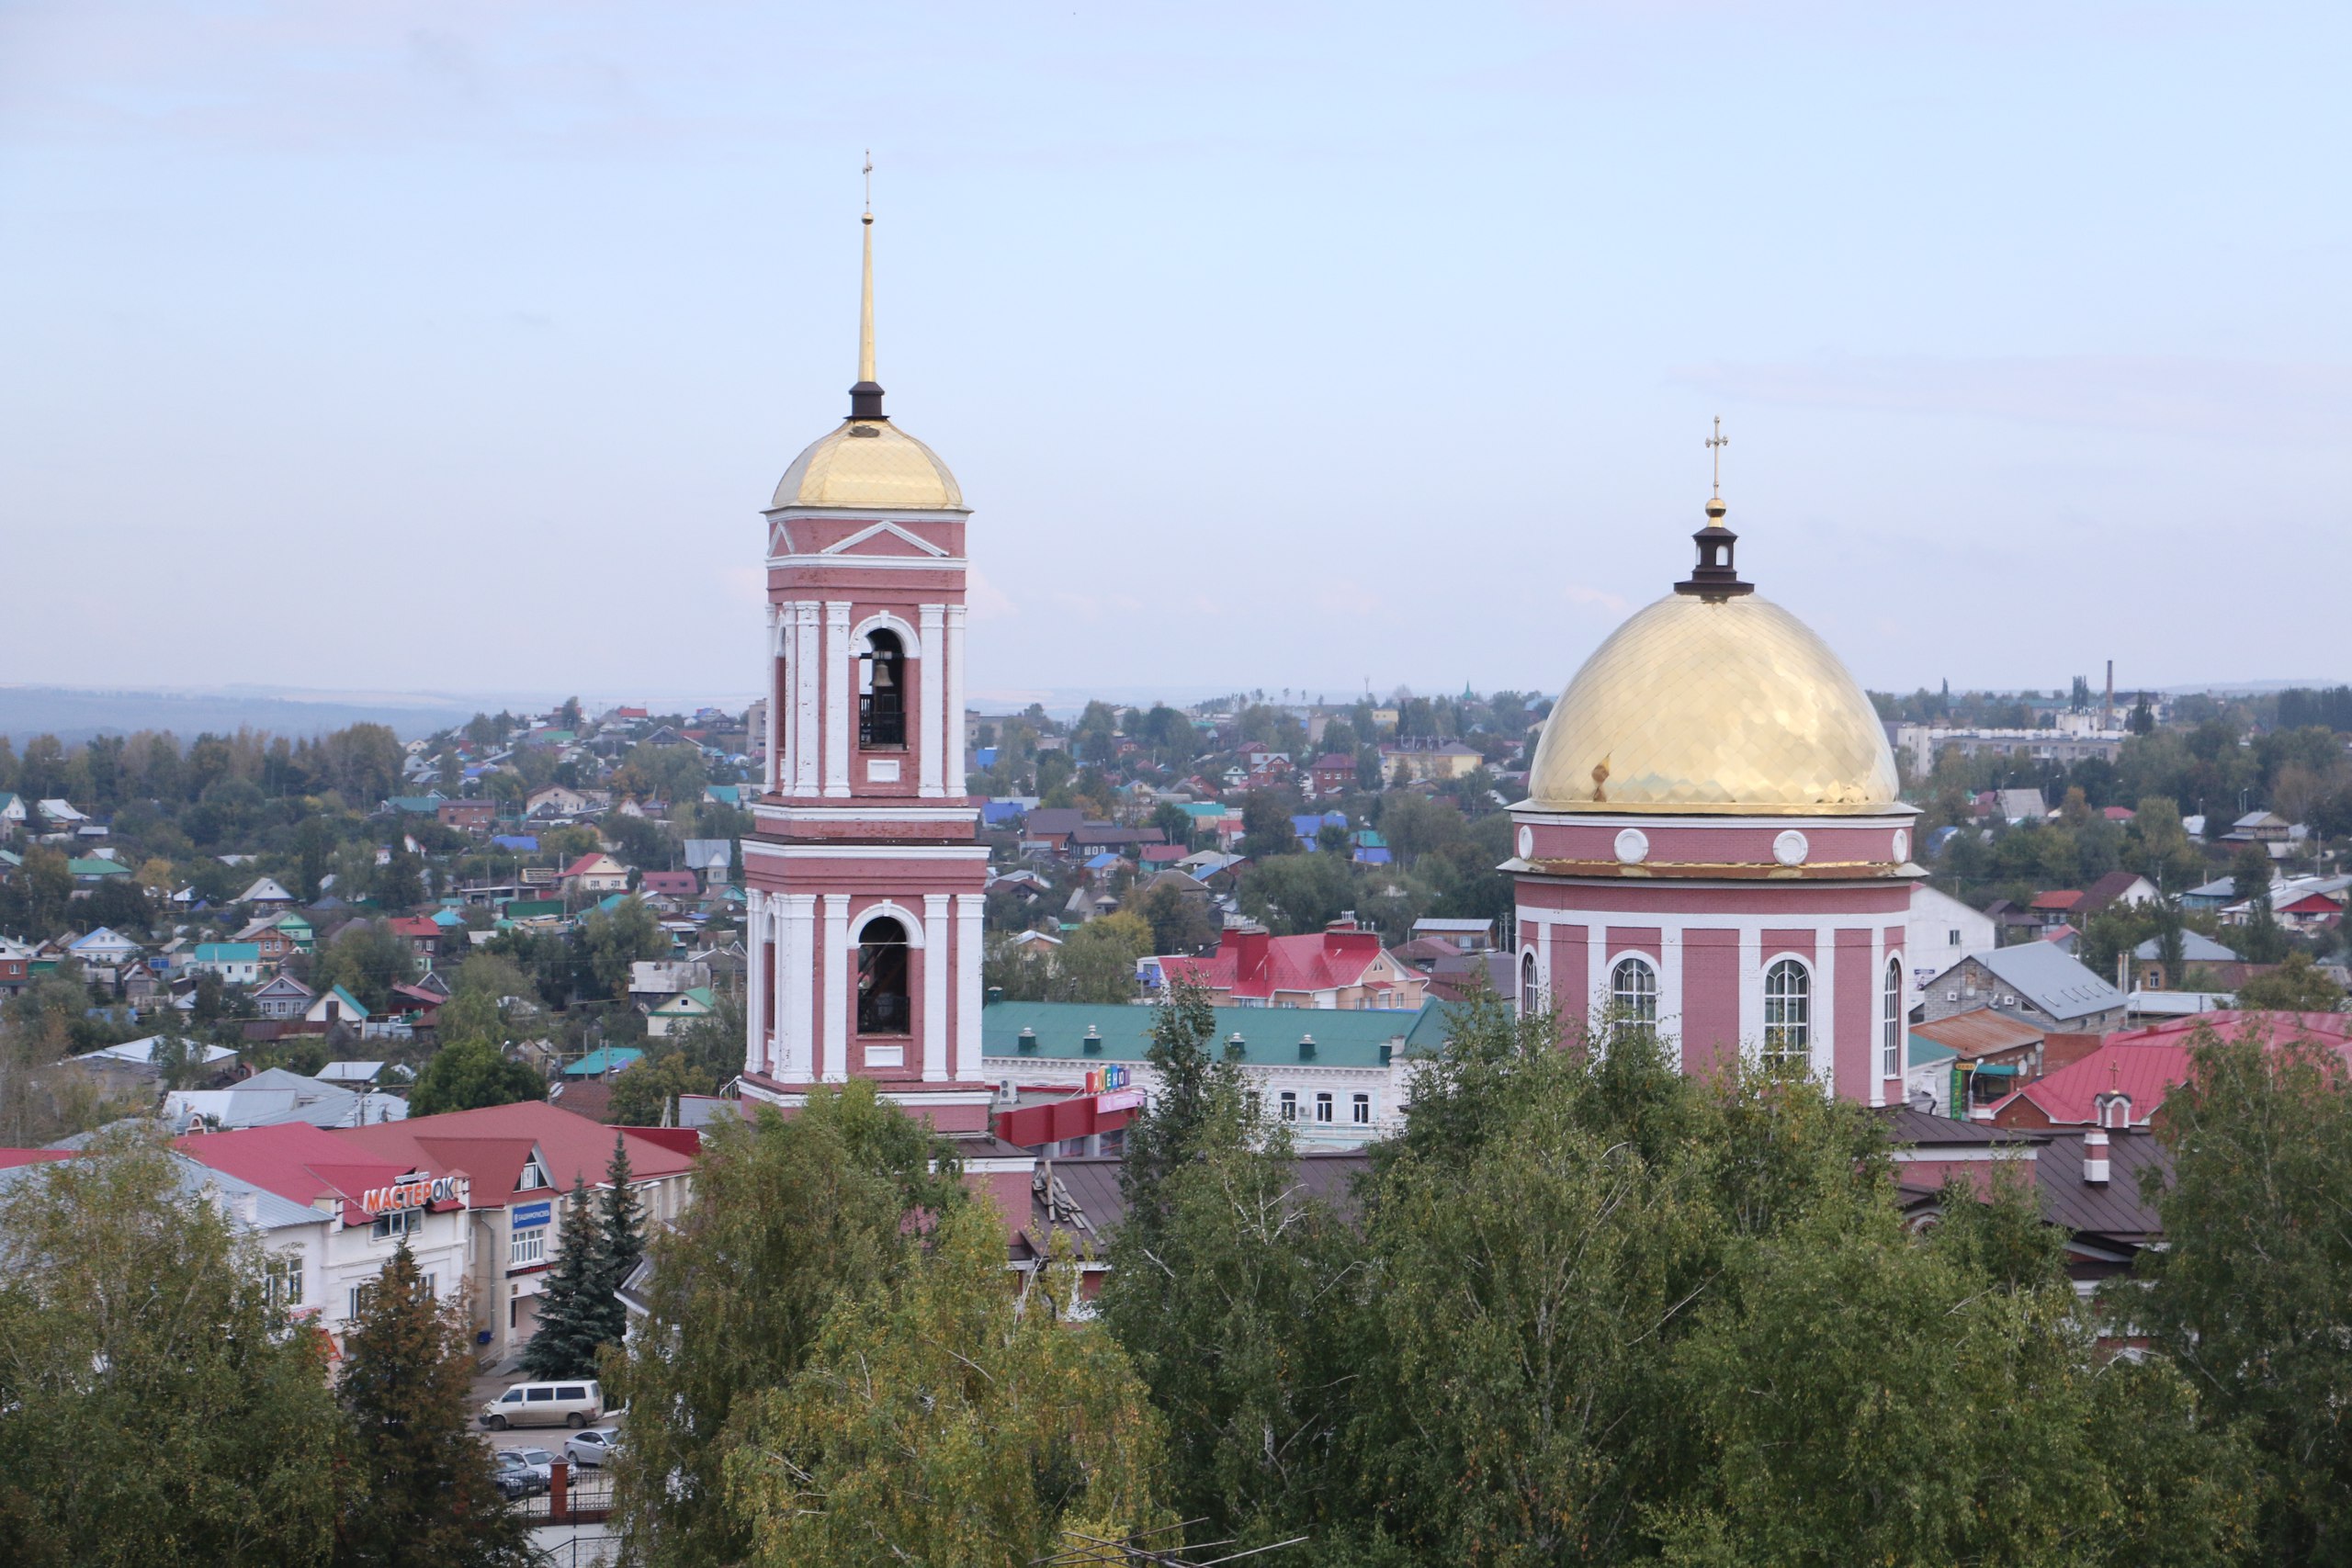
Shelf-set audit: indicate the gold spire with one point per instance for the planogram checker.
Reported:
(866, 398)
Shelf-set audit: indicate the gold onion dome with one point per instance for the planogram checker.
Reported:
(1713, 702)
(868, 462)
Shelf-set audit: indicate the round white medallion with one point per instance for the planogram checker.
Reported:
(1633, 846)
(1902, 846)
(1790, 848)
(1526, 844)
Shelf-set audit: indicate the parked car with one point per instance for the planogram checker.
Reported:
(544, 1404)
(594, 1448)
(516, 1476)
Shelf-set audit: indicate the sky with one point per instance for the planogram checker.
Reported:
(436, 346)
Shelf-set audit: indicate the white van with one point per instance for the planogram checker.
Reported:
(544, 1404)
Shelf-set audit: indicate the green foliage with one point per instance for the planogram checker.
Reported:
(2296, 986)
(2248, 1296)
(425, 1497)
(615, 939)
(469, 1074)
(941, 1420)
(646, 1091)
(154, 1406)
(787, 1217)
(367, 958)
(574, 1308)
(1181, 922)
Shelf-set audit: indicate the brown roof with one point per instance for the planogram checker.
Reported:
(1091, 1182)
(1979, 1032)
(2118, 1209)
(1921, 1129)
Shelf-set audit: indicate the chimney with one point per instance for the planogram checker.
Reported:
(2107, 717)
(2095, 1158)
(1307, 1047)
(1092, 1043)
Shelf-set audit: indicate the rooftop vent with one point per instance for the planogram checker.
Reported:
(1092, 1043)
(2095, 1158)
(1307, 1047)
(1028, 1040)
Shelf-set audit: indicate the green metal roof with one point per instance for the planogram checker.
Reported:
(1343, 1038)
(602, 1060)
(227, 953)
(532, 909)
(1926, 1053)
(94, 868)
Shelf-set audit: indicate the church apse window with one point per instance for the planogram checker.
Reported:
(882, 691)
(1890, 1001)
(1788, 1015)
(1530, 999)
(1632, 994)
(882, 990)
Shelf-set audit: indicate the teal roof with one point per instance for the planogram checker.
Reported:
(531, 908)
(94, 868)
(417, 805)
(1343, 1038)
(602, 1060)
(1206, 810)
(228, 952)
(1926, 1053)
(700, 995)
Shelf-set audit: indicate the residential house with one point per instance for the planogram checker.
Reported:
(92, 871)
(2033, 982)
(1461, 936)
(268, 934)
(422, 933)
(236, 962)
(1049, 826)
(556, 803)
(655, 981)
(284, 997)
(337, 1006)
(1940, 931)
(103, 948)
(2128, 888)
(1423, 758)
(522, 1159)
(13, 813)
(2148, 969)
(15, 966)
(1990, 1053)
(677, 885)
(275, 1097)
(266, 894)
(674, 1012)
(713, 860)
(2266, 827)
(595, 873)
(1341, 967)
(2124, 1082)
(1331, 776)
(470, 816)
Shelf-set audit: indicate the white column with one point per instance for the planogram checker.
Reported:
(936, 951)
(808, 689)
(795, 1000)
(1596, 968)
(1823, 1017)
(955, 738)
(966, 1062)
(933, 679)
(770, 772)
(1878, 1013)
(838, 958)
(837, 683)
(1751, 991)
(755, 978)
(1543, 959)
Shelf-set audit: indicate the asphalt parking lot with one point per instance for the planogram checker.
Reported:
(549, 1438)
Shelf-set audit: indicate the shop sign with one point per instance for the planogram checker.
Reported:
(416, 1192)
(529, 1216)
(1120, 1099)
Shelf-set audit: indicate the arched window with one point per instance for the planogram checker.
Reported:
(882, 691)
(882, 979)
(1531, 1001)
(1788, 1014)
(1632, 993)
(1891, 1038)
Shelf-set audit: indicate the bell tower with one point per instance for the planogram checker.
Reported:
(864, 874)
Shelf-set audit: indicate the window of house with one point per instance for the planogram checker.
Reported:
(1362, 1110)
(1955, 940)
(1891, 1042)
(1632, 992)
(527, 1247)
(1788, 1014)
(1323, 1108)
(399, 1223)
(533, 1176)
(882, 691)
(360, 1295)
(1289, 1104)
(1530, 1003)
(282, 1280)
(882, 1006)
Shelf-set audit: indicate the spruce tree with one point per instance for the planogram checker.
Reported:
(571, 1322)
(422, 1494)
(621, 1233)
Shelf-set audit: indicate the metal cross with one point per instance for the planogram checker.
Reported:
(869, 191)
(1715, 444)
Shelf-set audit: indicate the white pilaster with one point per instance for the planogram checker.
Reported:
(795, 974)
(1669, 990)
(1544, 960)
(954, 752)
(773, 689)
(839, 684)
(838, 960)
(1823, 1017)
(756, 959)
(1596, 969)
(1751, 990)
(1878, 1013)
(807, 684)
(935, 961)
(931, 680)
(966, 1061)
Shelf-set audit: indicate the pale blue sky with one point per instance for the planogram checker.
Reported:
(456, 345)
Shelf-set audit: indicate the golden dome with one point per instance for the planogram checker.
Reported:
(869, 463)
(1713, 707)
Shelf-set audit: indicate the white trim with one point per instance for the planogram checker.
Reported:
(796, 977)
(800, 511)
(934, 987)
(882, 620)
(941, 814)
(872, 912)
(1888, 816)
(843, 546)
(865, 852)
(930, 684)
(969, 907)
(755, 985)
(835, 1037)
(807, 736)
(885, 563)
(838, 683)
(957, 779)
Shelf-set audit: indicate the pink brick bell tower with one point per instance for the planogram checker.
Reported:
(864, 874)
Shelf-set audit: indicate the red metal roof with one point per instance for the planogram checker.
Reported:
(1253, 965)
(298, 1162)
(2057, 899)
(11, 1159)
(2145, 1064)
(491, 1145)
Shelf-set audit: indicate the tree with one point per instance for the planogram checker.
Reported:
(620, 1228)
(2262, 941)
(400, 884)
(615, 939)
(155, 1405)
(939, 1419)
(2247, 1296)
(787, 1217)
(426, 1497)
(2296, 986)
(646, 1091)
(367, 958)
(575, 1306)
(1265, 824)
(1180, 920)
(469, 1074)
(1097, 963)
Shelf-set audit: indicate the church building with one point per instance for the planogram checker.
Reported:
(865, 874)
(1713, 846)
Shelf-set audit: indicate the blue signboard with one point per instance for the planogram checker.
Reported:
(528, 1216)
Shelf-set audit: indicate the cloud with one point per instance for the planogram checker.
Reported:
(1600, 598)
(2231, 400)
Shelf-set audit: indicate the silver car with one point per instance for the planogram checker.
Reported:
(593, 1449)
